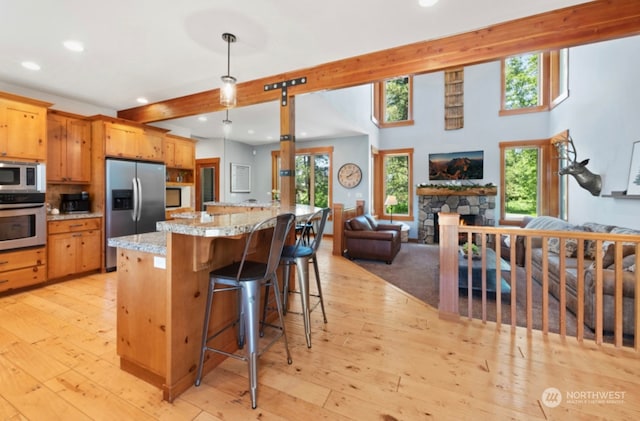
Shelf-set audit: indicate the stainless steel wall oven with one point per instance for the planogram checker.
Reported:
(23, 215)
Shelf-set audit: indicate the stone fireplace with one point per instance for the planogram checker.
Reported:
(477, 204)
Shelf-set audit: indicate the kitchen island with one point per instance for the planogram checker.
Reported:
(162, 288)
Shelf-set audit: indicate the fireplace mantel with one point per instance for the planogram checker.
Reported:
(475, 191)
(477, 200)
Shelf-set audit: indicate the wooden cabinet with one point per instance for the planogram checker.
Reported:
(22, 268)
(179, 157)
(128, 141)
(74, 246)
(151, 145)
(69, 149)
(23, 128)
(179, 152)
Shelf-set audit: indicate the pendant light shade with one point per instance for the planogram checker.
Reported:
(228, 89)
(226, 125)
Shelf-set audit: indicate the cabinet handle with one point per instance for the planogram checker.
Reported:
(3, 281)
(4, 262)
(76, 235)
(75, 225)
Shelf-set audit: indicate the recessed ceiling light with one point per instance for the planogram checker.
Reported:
(427, 3)
(251, 131)
(31, 65)
(142, 100)
(202, 118)
(303, 134)
(72, 45)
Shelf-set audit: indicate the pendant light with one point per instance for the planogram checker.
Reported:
(226, 125)
(228, 89)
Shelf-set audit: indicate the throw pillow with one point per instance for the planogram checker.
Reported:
(628, 264)
(610, 253)
(360, 223)
(570, 244)
(590, 245)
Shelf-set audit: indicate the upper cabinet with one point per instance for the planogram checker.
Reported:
(179, 152)
(123, 140)
(23, 128)
(69, 148)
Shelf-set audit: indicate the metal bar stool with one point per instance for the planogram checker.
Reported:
(248, 277)
(300, 255)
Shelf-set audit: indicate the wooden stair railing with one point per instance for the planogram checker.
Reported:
(450, 232)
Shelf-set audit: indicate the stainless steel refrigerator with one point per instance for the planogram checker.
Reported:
(135, 195)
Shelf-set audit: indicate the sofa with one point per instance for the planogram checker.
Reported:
(590, 270)
(365, 238)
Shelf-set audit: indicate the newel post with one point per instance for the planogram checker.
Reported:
(448, 307)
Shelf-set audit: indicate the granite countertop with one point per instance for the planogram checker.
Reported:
(67, 216)
(151, 242)
(202, 224)
(267, 204)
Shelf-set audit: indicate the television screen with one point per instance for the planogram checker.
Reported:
(456, 166)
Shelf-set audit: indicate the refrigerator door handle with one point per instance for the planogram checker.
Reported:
(139, 199)
(136, 196)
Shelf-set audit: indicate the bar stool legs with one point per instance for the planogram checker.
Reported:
(248, 277)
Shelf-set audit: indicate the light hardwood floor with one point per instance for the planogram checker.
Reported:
(383, 356)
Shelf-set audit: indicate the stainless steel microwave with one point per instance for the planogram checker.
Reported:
(22, 177)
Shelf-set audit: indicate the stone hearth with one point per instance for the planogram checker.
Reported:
(481, 202)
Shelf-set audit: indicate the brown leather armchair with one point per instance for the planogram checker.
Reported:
(365, 238)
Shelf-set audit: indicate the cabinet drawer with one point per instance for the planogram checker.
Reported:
(21, 259)
(72, 225)
(22, 278)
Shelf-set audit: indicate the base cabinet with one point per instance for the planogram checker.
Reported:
(74, 246)
(22, 268)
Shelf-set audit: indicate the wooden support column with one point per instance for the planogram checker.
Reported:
(448, 307)
(287, 152)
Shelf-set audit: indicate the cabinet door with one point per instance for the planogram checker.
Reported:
(169, 152)
(89, 251)
(184, 154)
(150, 146)
(56, 148)
(25, 131)
(121, 140)
(78, 150)
(61, 252)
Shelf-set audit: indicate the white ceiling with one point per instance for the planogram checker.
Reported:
(162, 49)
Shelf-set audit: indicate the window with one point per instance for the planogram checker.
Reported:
(392, 102)
(530, 185)
(394, 177)
(534, 82)
(312, 176)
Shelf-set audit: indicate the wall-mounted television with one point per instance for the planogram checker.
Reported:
(456, 166)
(173, 197)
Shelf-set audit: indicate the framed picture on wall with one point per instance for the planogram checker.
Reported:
(240, 178)
(633, 187)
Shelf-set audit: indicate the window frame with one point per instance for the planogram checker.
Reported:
(379, 104)
(549, 200)
(379, 187)
(323, 150)
(550, 91)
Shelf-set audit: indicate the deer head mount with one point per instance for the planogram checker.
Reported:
(585, 178)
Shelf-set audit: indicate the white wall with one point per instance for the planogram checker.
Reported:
(483, 128)
(602, 115)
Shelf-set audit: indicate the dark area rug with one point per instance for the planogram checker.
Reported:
(416, 270)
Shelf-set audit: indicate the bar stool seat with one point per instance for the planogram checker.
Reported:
(300, 255)
(248, 277)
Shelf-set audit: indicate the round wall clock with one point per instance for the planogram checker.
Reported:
(349, 175)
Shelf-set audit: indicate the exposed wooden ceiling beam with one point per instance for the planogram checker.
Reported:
(582, 24)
